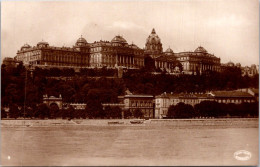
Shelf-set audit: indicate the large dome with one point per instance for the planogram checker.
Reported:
(200, 49)
(119, 39)
(42, 44)
(81, 42)
(153, 43)
(25, 47)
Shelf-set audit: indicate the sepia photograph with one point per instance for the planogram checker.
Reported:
(130, 83)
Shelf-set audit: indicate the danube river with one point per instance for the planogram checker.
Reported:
(145, 144)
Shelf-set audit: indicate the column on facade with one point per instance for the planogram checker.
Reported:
(129, 64)
(127, 61)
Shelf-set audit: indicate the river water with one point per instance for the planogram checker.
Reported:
(128, 145)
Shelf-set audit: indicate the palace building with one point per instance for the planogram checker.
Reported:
(45, 55)
(117, 53)
(191, 62)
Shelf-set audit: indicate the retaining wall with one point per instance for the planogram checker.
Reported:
(153, 122)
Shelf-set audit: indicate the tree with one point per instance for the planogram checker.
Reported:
(149, 63)
(54, 109)
(254, 109)
(14, 111)
(71, 112)
(94, 109)
(29, 112)
(127, 113)
(207, 109)
(181, 110)
(43, 111)
(108, 111)
(149, 89)
(113, 112)
(138, 113)
(3, 113)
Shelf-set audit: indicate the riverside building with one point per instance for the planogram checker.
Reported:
(165, 100)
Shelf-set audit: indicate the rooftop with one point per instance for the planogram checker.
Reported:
(230, 94)
(139, 96)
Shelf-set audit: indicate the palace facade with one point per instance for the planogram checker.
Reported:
(117, 53)
(187, 62)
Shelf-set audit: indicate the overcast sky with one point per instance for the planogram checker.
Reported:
(229, 29)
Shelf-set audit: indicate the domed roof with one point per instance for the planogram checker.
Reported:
(118, 39)
(169, 50)
(81, 41)
(230, 63)
(25, 46)
(133, 46)
(153, 44)
(200, 49)
(153, 38)
(42, 43)
(238, 65)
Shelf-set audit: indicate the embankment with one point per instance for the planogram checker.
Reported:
(233, 122)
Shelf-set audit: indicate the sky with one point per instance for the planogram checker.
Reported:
(229, 29)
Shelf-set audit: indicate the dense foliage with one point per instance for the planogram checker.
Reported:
(213, 109)
(97, 86)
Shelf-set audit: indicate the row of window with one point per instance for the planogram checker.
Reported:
(165, 102)
(236, 101)
(141, 104)
(98, 49)
(146, 112)
(198, 59)
(162, 64)
(61, 64)
(65, 58)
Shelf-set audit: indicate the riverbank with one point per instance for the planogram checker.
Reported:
(252, 122)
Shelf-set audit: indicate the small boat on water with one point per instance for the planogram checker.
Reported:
(114, 122)
(137, 122)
